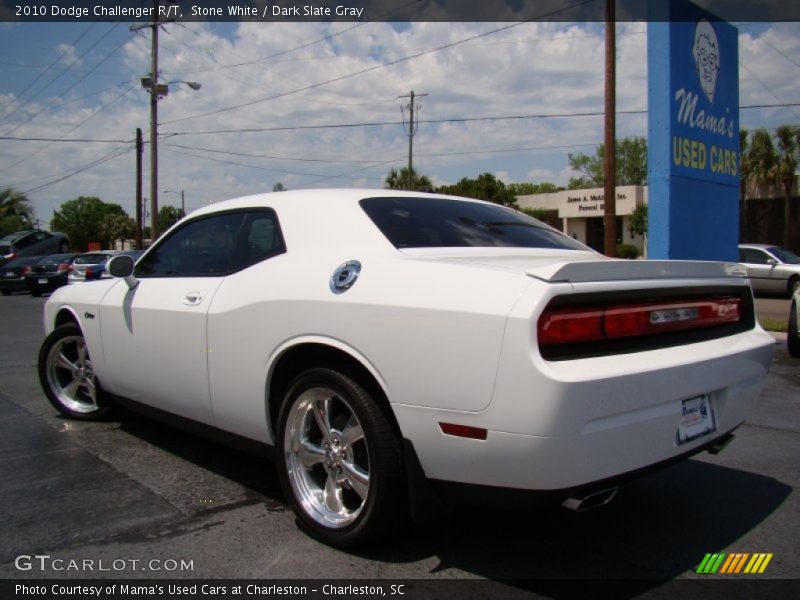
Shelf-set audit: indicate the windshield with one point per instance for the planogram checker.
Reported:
(785, 256)
(410, 222)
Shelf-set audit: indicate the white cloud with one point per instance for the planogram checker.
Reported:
(530, 69)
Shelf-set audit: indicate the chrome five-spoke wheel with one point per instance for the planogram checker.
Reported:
(67, 375)
(340, 464)
(327, 457)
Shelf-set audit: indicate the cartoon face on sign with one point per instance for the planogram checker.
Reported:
(706, 57)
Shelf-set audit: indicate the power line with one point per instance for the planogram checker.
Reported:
(100, 161)
(80, 140)
(52, 64)
(57, 77)
(260, 168)
(75, 83)
(300, 47)
(372, 68)
(766, 87)
(100, 109)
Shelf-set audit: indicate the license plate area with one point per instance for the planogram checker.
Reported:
(696, 420)
(42, 281)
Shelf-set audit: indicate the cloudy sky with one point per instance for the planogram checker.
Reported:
(81, 81)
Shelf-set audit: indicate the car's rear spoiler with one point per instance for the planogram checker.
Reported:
(624, 270)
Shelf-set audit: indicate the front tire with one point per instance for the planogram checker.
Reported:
(792, 339)
(339, 460)
(67, 376)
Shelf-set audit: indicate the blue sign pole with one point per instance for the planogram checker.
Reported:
(693, 135)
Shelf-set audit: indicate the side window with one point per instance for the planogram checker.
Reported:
(755, 257)
(201, 248)
(259, 239)
(25, 241)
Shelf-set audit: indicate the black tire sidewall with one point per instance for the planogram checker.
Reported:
(385, 501)
(66, 330)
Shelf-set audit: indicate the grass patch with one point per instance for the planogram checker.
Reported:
(773, 324)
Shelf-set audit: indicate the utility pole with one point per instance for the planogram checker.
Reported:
(412, 130)
(609, 160)
(139, 152)
(154, 126)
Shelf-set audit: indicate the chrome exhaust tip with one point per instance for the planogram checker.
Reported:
(590, 501)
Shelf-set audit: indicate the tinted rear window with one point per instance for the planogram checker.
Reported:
(442, 223)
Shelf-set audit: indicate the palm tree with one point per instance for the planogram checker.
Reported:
(399, 180)
(13, 203)
(16, 211)
(785, 168)
(745, 172)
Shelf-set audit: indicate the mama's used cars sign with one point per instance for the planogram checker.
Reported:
(693, 95)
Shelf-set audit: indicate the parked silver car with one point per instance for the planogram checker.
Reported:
(771, 268)
(87, 260)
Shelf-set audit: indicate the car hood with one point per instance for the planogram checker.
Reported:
(577, 266)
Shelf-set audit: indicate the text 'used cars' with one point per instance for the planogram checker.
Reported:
(400, 351)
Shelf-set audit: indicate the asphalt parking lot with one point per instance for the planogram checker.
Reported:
(136, 490)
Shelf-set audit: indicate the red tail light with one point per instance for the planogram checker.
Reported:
(26, 270)
(64, 268)
(567, 325)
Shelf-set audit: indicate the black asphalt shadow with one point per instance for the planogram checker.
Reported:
(56, 494)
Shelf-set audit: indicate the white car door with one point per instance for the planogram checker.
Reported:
(154, 335)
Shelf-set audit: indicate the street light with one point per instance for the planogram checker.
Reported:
(183, 204)
(157, 90)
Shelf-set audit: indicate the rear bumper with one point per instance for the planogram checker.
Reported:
(53, 283)
(12, 285)
(465, 494)
(555, 434)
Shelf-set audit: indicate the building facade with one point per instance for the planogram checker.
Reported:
(581, 213)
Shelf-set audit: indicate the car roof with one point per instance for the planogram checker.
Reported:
(325, 218)
(758, 246)
(16, 234)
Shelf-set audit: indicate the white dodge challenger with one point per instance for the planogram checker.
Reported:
(398, 351)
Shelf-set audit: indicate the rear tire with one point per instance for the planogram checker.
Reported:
(67, 376)
(5, 292)
(792, 339)
(339, 460)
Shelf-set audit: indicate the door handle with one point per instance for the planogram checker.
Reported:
(193, 298)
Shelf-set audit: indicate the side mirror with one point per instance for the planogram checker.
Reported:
(772, 261)
(122, 266)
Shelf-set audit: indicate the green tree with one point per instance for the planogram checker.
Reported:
(89, 219)
(16, 211)
(485, 187)
(278, 187)
(631, 165)
(399, 180)
(762, 157)
(528, 189)
(745, 172)
(168, 216)
(786, 167)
